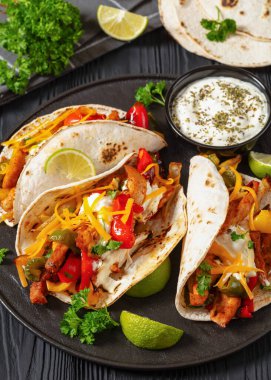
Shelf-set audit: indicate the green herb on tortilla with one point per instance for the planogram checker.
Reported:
(3, 252)
(151, 93)
(204, 279)
(219, 29)
(90, 324)
(99, 249)
(42, 34)
(112, 193)
(250, 244)
(235, 236)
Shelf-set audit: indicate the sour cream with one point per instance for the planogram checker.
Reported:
(220, 111)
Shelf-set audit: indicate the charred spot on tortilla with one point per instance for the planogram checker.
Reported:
(109, 154)
(212, 210)
(229, 3)
(27, 172)
(242, 13)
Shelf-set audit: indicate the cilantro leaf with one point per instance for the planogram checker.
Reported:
(151, 93)
(219, 30)
(100, 249)
(250, 244)
(267, 287)
(3, 252)
(204, 283)
(90, 324)
(235, 236)
(205, 267)
(112, 193)
(43, 45)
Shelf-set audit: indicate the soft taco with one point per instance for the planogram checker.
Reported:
(226, 256)
(106, 233)
(95, 130)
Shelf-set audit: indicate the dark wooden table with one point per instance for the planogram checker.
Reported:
(25, 356)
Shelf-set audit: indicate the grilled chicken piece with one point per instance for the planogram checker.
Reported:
(14, 169)
(38, 292)
(195, 298)
(86, 238)
(137, 184)
(224, 309)
(266, 251)
(7, 203)
(256, 237)
(57, 258)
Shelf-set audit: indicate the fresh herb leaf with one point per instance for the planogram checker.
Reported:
(48, 254)
(100, 249)
(235, 236)
(112, 193)
(90, 324)
(151, 93)
(205, 267)
(3, 252)
(43, 45)
(204, 283)
(250, 244)
(219, 30)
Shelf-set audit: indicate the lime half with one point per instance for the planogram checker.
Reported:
(70, 163)
(121, 24)
(260, 163)
(153, 283)
(146, 333)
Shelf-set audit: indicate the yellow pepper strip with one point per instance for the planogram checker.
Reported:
(253, 193)
(3, 167)
(168, 181)
(262, 222)
(128, 209)
(238, 184)
(222, 170)
(232, 162)
(58, 286)
(251, 218)
(106, 236)
(19, 262)
(156, 193)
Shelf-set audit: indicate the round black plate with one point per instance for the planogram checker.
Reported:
(201, 342)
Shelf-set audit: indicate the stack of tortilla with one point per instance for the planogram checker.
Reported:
(249, 47)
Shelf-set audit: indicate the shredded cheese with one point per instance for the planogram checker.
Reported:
(243, 282)
(21, 274)
(128, 209)
(251, 218)
(58, 286)
(168, 181)
(238, 184)
(36, 249)
(220, 251)
(106, 236)
(156, 193)
(253, 193)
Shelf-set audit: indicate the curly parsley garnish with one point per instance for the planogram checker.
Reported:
(219, 29)
(151, 93)
(3, 252)
(204, 278)
(42, 34)
(90, 324)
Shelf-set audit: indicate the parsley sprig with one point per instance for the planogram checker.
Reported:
(3, 252)
(219, 29)
(204, 278)
(42, 34)
(151, 93)
(89, 324)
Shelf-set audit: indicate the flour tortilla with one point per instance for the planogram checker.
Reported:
(237, 50)
(106, 142)
(167, 228)
(207, 206)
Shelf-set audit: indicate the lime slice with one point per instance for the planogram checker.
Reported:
(121, 24)
(260, 163)
(146, 333)
(70, 163)
(153, 283)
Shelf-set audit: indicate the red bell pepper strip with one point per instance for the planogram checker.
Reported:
(244, 312)
(97, 116)
(73, 118)
(138, 115)
(252, 282)
(71, 270)
(143, 160)
(86, 270)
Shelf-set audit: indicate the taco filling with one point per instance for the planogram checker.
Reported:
(26, 142)
(238, 260)
(92, 237)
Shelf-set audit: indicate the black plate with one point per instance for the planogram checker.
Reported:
(201, 342)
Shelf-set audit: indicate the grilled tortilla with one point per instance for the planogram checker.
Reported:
(158, 228)
(28, 150)
(213, 216)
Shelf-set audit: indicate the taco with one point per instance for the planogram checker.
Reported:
(226, 256)
(106, 233)
(24, 155)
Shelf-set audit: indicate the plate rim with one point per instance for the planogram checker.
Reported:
(77, 353)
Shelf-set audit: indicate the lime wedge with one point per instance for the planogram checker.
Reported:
(146, 333)
(260, 164)
(70, 163)
(153, 283)
(121, 24)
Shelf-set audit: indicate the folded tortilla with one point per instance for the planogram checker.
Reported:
(207, 207)
(106, 142)
(154, 242)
